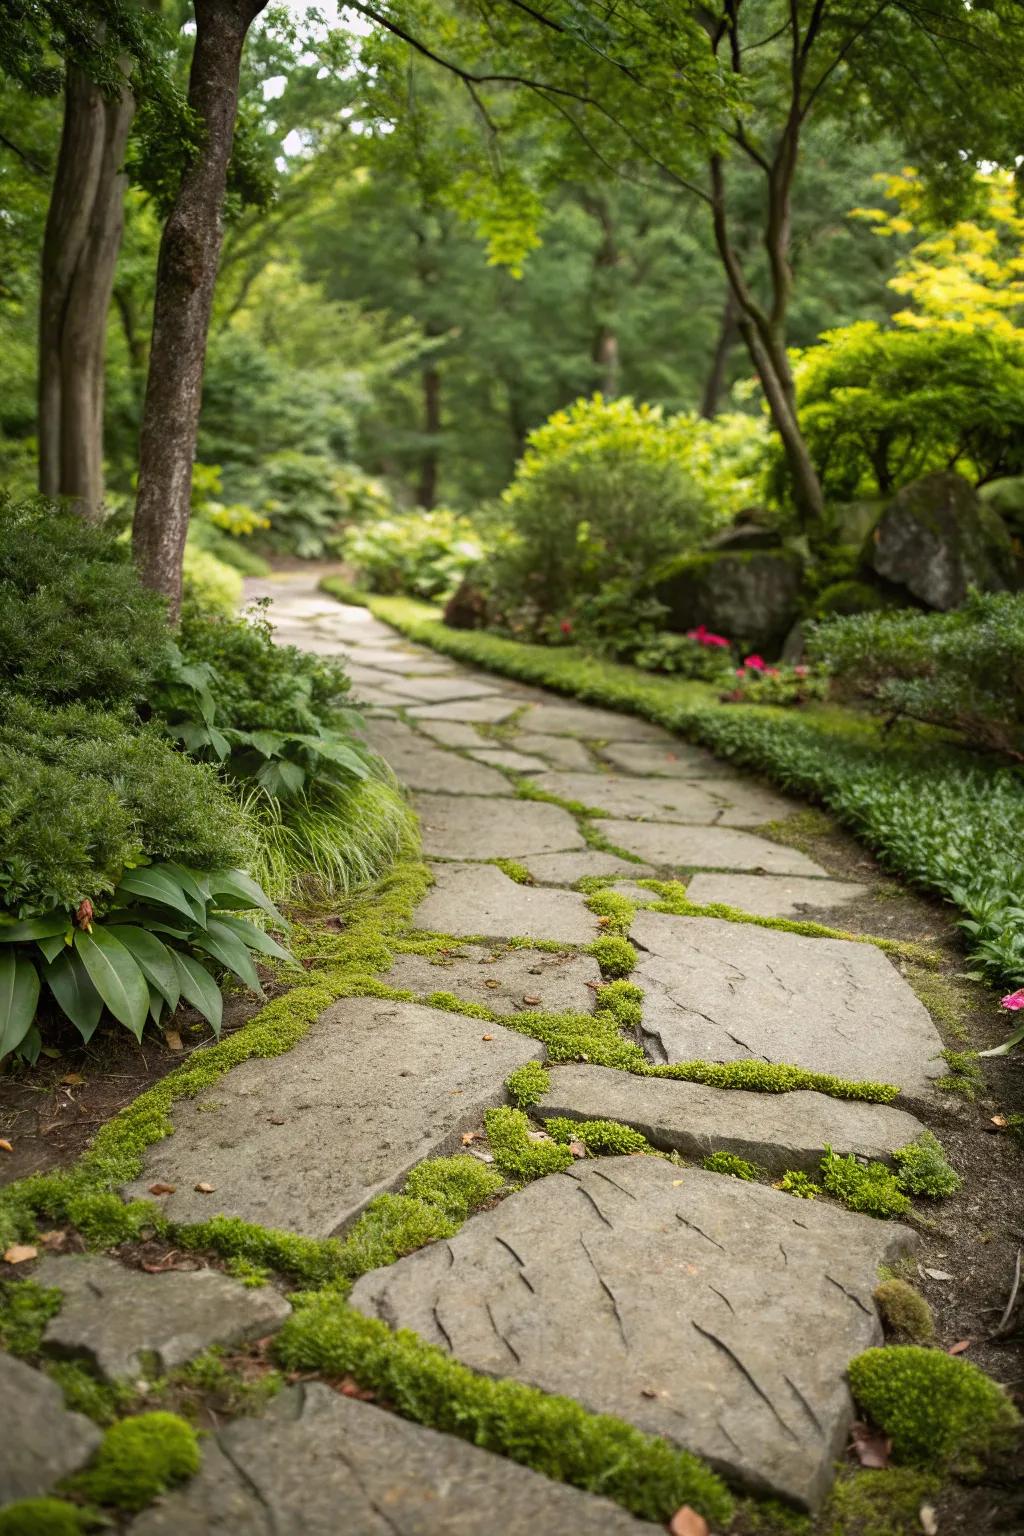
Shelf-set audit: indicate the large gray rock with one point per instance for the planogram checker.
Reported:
(693, 847)
(777, 1130)
(41, 1441)
(468, 899)
(421, 765)
(717, 1313)
(517, 981)
(567, 868)
(468, 827)
(938, 539)
(322, 1463)
(774, 895)
(718, 992)
(588, 723)
(112, 1315)
(303, 1143)
(562, 751)
(724, 801)
(750, 596)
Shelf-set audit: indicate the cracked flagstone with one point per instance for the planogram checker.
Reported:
(472, 827)
(516, 981)
(421, 765)
(773, 895)
(469, 899)
(694, 847)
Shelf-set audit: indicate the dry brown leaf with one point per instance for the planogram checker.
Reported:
(577, 1149)
(20, 1252)
(959, 1347)
(873, 1448)
(5, 1145)
(172, 1040)
(468, 1137)
(486, 1037)
(603, 922)
(1000, 1121)
(162, 1189)
(531, 1001)
(205, 1189)
(929, 1520)
(71, 1078)
(55, 1240)
(349, 1387)
(687, 1522)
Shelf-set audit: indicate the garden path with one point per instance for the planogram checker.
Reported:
(715, 1312)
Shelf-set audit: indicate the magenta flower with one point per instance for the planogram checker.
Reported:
(1013, 1000)
(755, 663)
(566, 627)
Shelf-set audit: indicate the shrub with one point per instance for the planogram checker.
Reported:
(211, 582)
(604, 492)
(308, 498)
(424, 554)
(141, 1458)
(937, 1409)
(757, 683)
(904, 1311)
(959, 670)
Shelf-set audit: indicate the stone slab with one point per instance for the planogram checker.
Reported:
(406, 663)
(567, 868)
(110, 1314)
(472, 827)
(305, 1142)
(505, 757)
(670, 758)
(442, 690)
(563, 751)
(716, 1313)
(777, 1130)
(488, 711)
(321, 1463)
(451, 733)
(41, 1441)
(774, 895)
(504, 982)
(591, 724)
(654, 799)
(720, 992)
(421, 765)
(480, 899)
(692, 847)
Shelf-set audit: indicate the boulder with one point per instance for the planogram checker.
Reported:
(750, 595)
(937, 538)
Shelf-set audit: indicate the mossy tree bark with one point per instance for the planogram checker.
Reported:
(186, 274)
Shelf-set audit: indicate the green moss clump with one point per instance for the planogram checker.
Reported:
(616, 909)
(25, 1310)
(798, 1184)
(391, 1226)
(519, 1158)
(614, 954)
(905, 1313)
(735, 1167)
(101, 1401)
(313, 1261)
(554, 1435)
(602, 1137)
(625, 1001)
(42, 1517)
(139, 1459)
(879, 1503)
(253, 1276)
(528, 1084)
(514, 870)
(964, 1077)
(773, 1077)
(938, 1410)
(868, 1187)
(223, 1390)
(455, 1185)
(923, 1169)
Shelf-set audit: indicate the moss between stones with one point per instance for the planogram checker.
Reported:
(139, 1459)
(772, 1077)
(905, 1314)
(964, 1076)
(520, 1158)
(528, 1084)
(43, 1517)
(514, 870)
(923, 1168)
(879, 1503)
(602, 1137)
(868, 1187)
(734, 1167)
(614, 954)
(25, 1310)
(800, 1185)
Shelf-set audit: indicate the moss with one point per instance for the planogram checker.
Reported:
(614, 954)
(614, 910)
(938, 1410)
(528, 1084)
(798, 1184)
(520, 1158)
(905, 1314)
(208, 1381)
(43, 1517)
(390, 1227)
(455, 1185)
(868, 1187)
(624, 1000)
(451, 1003)
(527, 790)
(964, 1077)
(879, 1503)
(607, 1137)
(923, 1168)
(514, 870)
(25, 1310)
(101, 1401)
(313, 1261)
(553, 1435)
(139, 1459)
(773, 1077)
(767, 1517)
(951, 1000)
(254, 1276)
(735, 1167)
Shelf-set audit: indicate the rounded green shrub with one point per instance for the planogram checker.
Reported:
(937, 1409)
(904, 1311)
(41, 1517)
(139, 1459)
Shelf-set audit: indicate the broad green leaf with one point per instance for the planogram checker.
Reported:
(116, 976)
(228, 948)
(50, 948)
(33, 928)
(269, 743)
(281, 778)
(19, 995)
(31, 1046)
(69, 981)
(154, 961)
(245, 891)
(336, 752)
(186, 878)
(153, 883)
(255, 938)
(200, 989)
(157, 1003)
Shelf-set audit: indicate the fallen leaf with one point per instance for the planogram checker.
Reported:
(54, 1240)
(1000, 1121)
(577, 1149)
(72, 1077)
(20, 1252)
(5, 1145)
(938, 1274)
(205, 1189)
(603, 922)
(486, 1037)
(959, 1347)
(491, 981)
(162, 1189)
(648, 1392)
(172, 1040)
(531, 1001)
(468, 1137)
(929, 1520)
(872, 1447)
(349, 1387)
(687, 1522)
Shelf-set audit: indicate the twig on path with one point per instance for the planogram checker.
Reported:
(1002, 1326)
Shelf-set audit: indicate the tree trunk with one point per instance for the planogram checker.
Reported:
(186, 273)
(432, 431)
(84, 225)
(728, 335)
(607, 260)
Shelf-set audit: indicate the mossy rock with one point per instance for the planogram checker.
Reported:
(751, 596)
(938, 539)
(1006, 498)
(846, 597)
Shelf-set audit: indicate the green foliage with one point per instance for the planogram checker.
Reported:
(139, 1459)
(391, 1226)
(456, 1185)
(42, 1517)
(964, 1076)
(868, 1187)
(777, 686)
(423, 554)
(904, 1311)
(101, 1401)
(938, 1410)
(958, 670)
(519, 1157)
(798, 1184)
(774, 1077)
(25, 1310)
(924, 1170)
(602, 1137)
(212, 582)
(528, 1084)
(553, 1435)
(614, 954)
(735, 1167)
(879, 1503)
(514, 870)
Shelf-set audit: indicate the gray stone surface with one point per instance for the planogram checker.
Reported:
(452, 733)
(489, 711)
(518, 981)
(562, 751)
(371, 1090)
(480, 899)
(41, 1441)
(110, 1314)
(323, 1464)
(719, 1314)
(774, 895)
(442, 690)
(719, 993)
(724, 801)
(407, 663)
(421, 765)
(671, 758)
(692, 847)
(591, 724)
(937, 538)
(505, 757)
(567, 868)
(468, 827)
(777, 1130)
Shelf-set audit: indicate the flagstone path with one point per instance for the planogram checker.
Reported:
(717, 1313)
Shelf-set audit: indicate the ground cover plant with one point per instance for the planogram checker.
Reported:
(424, 554)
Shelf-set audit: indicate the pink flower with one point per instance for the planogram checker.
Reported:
(755, 663)
(1013, 1000)
(801, 671)
(566, 627)
(709, 639)
(739, 671)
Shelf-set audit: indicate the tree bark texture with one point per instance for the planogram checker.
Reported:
(607, 261)
(186, 274)
(84, 225)
(432, 433)
(728, 335)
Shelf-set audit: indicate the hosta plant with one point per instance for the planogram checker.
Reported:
(163, 935)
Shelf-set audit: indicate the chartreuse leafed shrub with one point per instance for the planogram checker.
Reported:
(938, 1410)
(424, 554)
(140, 1458)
